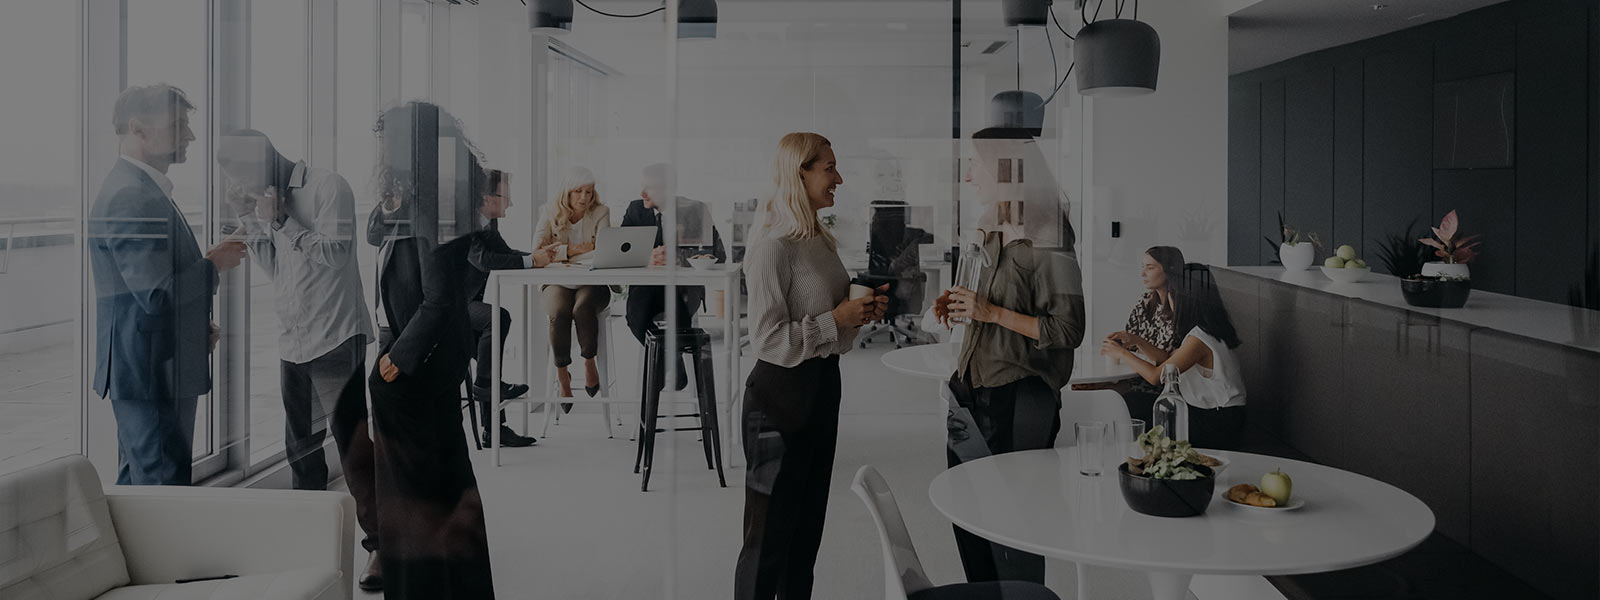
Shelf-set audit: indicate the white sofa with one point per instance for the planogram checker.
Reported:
(63, 537)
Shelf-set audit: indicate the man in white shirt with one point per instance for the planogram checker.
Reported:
(153, 289)
(300, 224)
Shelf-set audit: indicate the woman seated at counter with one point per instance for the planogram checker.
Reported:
(1209, 373)
(1150, 319)
(571, 222)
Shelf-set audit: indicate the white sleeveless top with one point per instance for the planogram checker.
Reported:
(1220, 386)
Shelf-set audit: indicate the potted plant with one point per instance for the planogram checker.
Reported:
(1456, 250)
(1297, 250)
(1446, 283)
(1403, 253)
(1171, 480)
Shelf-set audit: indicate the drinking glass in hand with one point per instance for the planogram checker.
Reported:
(1091, 436)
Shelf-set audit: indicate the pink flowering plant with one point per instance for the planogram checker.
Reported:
(1448, 243)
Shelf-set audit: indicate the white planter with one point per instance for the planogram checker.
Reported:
(1297, 257)
(1445, 270)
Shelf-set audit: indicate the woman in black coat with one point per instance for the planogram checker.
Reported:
(430, 522)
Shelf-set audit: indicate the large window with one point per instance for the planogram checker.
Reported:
(39, 187)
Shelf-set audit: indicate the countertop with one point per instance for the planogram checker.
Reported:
(1545, 321)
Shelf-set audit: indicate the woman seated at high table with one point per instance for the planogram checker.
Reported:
(1209, 374)
(572, 220)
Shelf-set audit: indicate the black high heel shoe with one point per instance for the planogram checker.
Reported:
(591, 390)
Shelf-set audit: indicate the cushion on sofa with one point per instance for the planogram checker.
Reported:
(56, 537)
(300, 584)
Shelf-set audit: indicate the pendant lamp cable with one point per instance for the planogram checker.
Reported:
(1058, 23)
(621, 16)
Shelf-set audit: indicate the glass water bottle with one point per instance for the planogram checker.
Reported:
(969, 272)
(1170, 411)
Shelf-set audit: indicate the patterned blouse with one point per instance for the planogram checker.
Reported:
(1153, 322)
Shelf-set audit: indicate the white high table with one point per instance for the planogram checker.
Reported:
(1036, 501)
(938, 361)
(721, 277)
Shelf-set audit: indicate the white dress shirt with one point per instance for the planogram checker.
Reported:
(309, 252)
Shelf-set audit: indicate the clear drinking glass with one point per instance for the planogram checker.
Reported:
(1127, 435)
(1091, 447)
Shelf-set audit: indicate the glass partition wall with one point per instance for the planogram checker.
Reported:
(901, 88)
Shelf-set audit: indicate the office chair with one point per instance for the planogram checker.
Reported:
(894, 257)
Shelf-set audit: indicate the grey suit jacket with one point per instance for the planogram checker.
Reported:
(153, 289)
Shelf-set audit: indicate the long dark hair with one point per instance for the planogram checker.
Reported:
(1198, 304)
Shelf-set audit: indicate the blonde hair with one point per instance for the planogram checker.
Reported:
(574, 178)
(788, 212)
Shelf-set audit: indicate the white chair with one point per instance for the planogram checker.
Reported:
(63, 537)
(904, 578)
(1105, 406)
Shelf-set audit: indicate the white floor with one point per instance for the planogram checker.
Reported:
(567, 520)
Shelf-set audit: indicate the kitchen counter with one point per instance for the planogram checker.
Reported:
(1478, 411)
(1569, 326)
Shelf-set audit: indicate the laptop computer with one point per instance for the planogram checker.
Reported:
(623, 247)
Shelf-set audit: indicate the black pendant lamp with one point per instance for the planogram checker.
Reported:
(697, 19)
(1025, 12)
(1117, 58)
(550, 17)
(1017, 110)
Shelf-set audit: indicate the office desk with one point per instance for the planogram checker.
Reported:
(722, 277)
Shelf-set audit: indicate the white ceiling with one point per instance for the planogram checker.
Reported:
(1270, 31)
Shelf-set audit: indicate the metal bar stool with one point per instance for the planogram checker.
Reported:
(697, 344)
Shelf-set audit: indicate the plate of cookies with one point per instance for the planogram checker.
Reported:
(1251, 498)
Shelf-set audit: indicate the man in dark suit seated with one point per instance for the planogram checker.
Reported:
(153, 289)
(490, 252)
(646, 303)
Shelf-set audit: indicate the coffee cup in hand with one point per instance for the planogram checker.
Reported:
(858, 291)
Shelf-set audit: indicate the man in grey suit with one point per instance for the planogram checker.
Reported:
(153, 287)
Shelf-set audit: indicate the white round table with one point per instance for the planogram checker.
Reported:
(938, 361)
(1036, 501)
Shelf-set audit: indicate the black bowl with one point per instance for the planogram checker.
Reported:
(1432, 292)
(1167, 497)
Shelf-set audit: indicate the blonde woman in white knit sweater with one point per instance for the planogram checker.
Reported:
(801, 322)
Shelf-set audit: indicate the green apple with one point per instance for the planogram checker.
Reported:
(1354, 264)
(1333, 262)
(1346, 252)
(1361, 264)
(1277, 485)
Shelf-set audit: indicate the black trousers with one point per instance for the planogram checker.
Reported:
(791, 428)
(1021, 415)
(1215, 428)
(647, 301)
(330, 393)
(479, 313)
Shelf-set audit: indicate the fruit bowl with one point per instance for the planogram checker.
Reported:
(1167, 497)
(1345, 274)
(703, 263)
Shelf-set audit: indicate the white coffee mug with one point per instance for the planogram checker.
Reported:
(860, 291)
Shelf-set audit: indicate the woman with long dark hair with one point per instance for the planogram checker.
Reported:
(1209, 373)
(430, 516)
(1160, 268)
